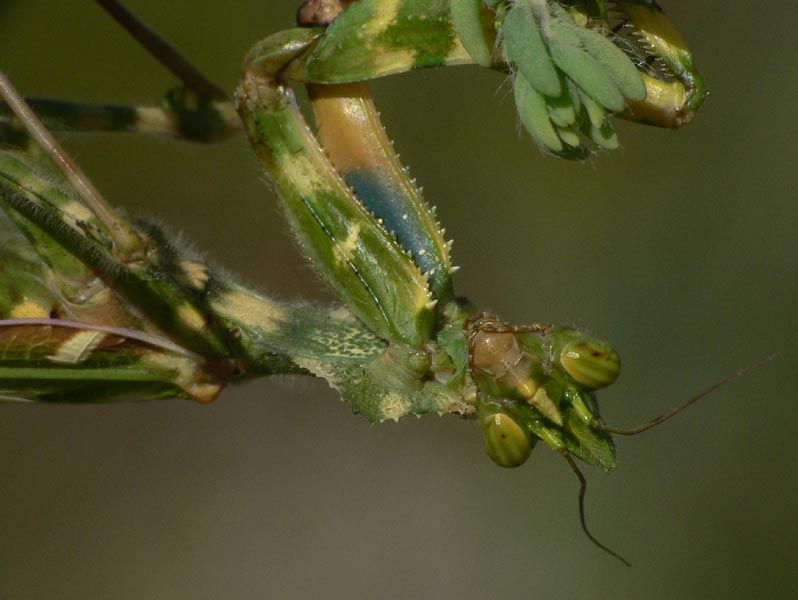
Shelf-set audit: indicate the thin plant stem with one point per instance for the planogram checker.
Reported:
(163, 52)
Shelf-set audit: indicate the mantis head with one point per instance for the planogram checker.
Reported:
(537, 382)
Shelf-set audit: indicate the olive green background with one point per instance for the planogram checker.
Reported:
(680, 249)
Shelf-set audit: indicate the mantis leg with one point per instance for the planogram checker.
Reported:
(356, 143)
(181, 116)
(577, 65)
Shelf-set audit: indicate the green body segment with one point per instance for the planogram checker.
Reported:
(75, 290)
(63, 361)
(296, 332)
(375, 38)
(368, 269)
(25, 282)
(69, 239)
(379, 380)
(58, 345)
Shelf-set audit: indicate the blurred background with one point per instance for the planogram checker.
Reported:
(679, 249)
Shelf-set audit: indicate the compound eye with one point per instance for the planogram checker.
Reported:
(505, 441)
(591, 362)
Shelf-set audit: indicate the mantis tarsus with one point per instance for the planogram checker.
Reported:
(153, 319)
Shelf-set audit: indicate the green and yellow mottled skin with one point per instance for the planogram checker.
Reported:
(94, 306)
(78, 323)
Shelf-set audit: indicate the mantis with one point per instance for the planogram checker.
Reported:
(95, 305)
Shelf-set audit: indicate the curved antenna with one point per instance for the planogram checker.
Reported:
(676, 410)
(582, 489)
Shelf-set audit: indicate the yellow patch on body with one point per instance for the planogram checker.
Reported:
(78, 347)
(387, 13)
(319, 368)
(309, 170)
(104, 297)
(154, 120)
(544, 404)
(243, 306)
(458, 55)
(78, 211)
(191, 317)
(189, 377)
(196, 273)
(203, 392)
(394, 406)
(394, 60)
(341, 313)
(345, 250)
(29, 309)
